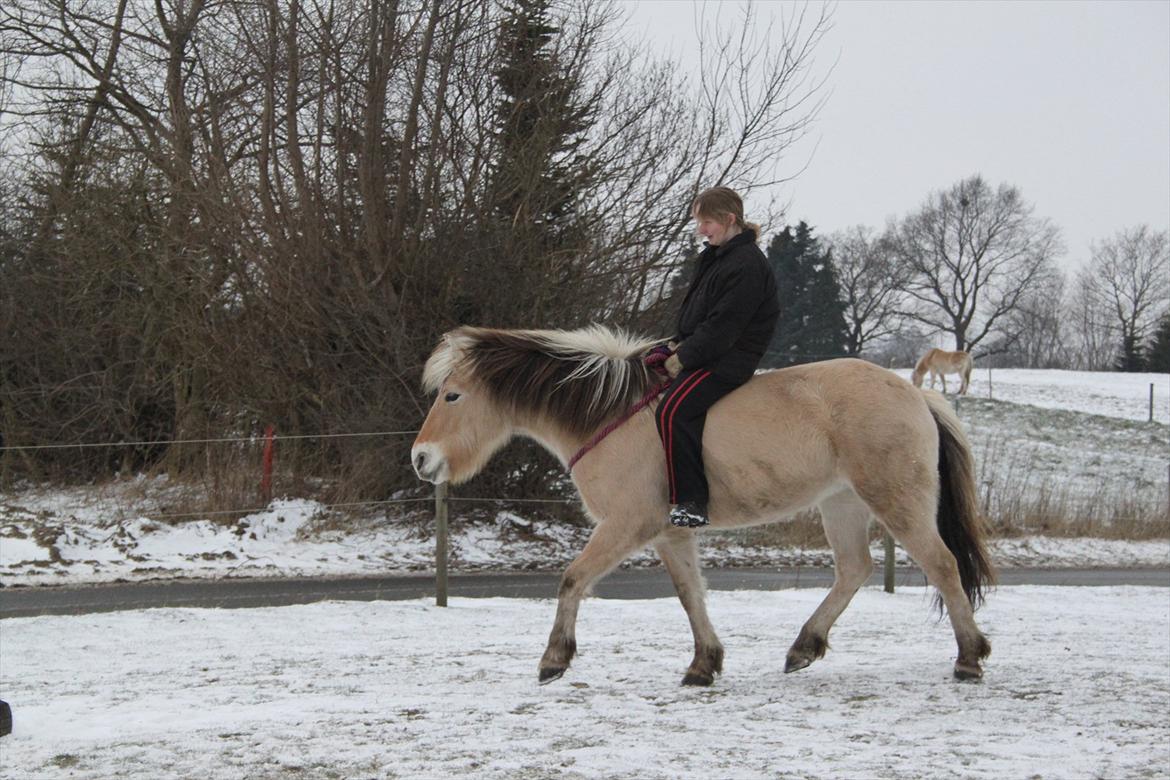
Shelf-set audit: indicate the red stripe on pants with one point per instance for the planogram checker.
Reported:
(692, 382)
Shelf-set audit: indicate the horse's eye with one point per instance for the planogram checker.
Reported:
(451, 397)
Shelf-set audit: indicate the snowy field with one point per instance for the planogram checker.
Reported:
(1086, 449)
(1078, 686)
(1105, 393)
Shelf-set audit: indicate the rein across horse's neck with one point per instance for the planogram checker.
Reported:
(596, 439)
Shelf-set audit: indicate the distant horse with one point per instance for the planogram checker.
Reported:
(844, 435)
(939, 362)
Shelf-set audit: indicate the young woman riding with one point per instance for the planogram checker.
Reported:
(724, 327)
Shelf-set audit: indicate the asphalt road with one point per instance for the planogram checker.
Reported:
(621, 584)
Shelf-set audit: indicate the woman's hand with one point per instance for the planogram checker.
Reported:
(673, 366)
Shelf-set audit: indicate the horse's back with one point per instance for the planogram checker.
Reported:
(790, 435)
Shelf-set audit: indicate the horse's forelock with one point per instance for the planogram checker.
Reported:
(450, 352)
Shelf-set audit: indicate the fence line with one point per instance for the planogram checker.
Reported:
(252, 439)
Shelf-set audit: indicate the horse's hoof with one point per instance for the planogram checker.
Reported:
(795, 664)
(696, 678)
(966, 671)
(551, 673)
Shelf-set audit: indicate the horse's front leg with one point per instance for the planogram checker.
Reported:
(612, 542)
(679, 550)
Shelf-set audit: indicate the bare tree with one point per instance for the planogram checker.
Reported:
(1092, 337)
(224, 214)
(1129, 274)
(871, 282)
(974, 254)
(1039, 321)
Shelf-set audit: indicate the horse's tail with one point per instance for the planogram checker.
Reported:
(960, 523)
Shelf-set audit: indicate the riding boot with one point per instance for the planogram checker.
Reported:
(688, 514)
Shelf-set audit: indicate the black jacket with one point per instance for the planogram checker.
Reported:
(730, 311)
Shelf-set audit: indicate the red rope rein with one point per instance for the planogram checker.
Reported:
(649, 396)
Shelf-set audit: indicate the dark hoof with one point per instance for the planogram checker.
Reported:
(794, 664)
(695, 678)
(551, 673)
(966, 671)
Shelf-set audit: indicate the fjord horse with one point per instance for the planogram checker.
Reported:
(844, 435)
(939, 362)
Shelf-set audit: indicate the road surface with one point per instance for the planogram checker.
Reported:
(621, 584)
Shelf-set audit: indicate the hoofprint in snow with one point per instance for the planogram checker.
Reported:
(1076, 687)
(1094, 447)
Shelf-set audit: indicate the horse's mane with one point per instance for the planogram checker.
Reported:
(579, 378)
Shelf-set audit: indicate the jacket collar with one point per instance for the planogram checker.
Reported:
(747, 236)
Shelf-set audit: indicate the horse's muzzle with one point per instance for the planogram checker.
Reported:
(429, 464)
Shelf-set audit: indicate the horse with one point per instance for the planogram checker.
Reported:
(939, 362)
(847, 436)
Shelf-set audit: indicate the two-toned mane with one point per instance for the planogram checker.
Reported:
(578, 378)
(845, 436)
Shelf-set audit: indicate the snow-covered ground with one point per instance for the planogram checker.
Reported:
(1078, 686)
(281, 542)
(1086, 450)
(1110, 394)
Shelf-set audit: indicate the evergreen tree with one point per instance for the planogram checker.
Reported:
(1131, 358)
(542, 123)
(1158, 351)
(812, 315)
(530, 255)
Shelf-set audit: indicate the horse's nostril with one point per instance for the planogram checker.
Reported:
(419, 461)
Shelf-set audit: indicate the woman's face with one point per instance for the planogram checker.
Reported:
(714, 229)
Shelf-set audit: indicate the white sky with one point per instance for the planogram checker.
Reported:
(1069, 101)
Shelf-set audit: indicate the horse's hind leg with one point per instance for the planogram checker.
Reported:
(915, 528)
(846, 520)
(611, 543)
(679, 550)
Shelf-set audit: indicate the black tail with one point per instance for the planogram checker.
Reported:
(960, 523)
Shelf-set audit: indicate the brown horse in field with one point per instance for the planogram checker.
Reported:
(939, 362)
(846, 436)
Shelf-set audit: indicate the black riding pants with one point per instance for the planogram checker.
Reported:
(681, 417)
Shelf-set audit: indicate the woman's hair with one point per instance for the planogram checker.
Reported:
(718, 202)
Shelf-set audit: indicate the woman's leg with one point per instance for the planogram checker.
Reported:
(681, 417)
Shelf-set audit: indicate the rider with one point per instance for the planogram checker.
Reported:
(724, 327)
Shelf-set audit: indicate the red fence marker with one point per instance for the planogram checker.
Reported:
(269, 452)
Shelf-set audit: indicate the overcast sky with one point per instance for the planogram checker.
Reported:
(1069, 101)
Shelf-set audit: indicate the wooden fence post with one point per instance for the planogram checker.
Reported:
(441, 505)
(1151, 401)
(888, 566)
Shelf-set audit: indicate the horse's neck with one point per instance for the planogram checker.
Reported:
(559, 443)
(608, 459)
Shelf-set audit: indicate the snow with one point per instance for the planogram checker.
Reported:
(1106, 393)
(279, 542)
(1078, 686)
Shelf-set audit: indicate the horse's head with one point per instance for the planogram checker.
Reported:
(490, 384)
(465, 425)
(916, 375)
